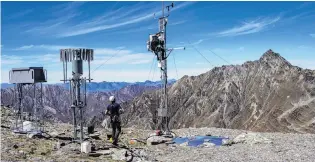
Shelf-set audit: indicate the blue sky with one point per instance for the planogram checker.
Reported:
(33, 33)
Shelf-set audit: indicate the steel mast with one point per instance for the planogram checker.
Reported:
(157, 45)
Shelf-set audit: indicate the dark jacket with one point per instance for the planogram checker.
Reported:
(113, 110)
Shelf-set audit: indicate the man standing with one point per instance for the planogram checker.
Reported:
(114, 110)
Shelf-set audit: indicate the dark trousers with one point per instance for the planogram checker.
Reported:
(115, 134)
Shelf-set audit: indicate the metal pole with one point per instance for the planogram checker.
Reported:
(74, 113)
(64, 74)
(74, 124)
(71, 95)
(78, 97)
(162, 8)
(165, 95)
(20, 86)
(85, 91)
(165, 75)
(89, 68)
(35, 110)
(14, 97)
(81, 124)
(66, 71)
(16, 109)
(41, 105)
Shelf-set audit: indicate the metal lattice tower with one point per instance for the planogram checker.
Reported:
(22, 77)
(157, 45)
(78, 101)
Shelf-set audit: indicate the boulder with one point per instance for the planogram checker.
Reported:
(28, 126)
(31, 135)
(86, 147)
(119, 154)
(155, 140)
(104, 152)
(208, 144)
(251, 138)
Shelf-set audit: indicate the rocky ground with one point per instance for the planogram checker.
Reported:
(244, 146)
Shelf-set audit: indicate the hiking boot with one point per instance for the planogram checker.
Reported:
(115, 144)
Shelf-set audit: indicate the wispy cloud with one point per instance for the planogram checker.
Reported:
(227, 50)
(11, 60)
(312, 35)
(16, 60)
(188, 44)
(241, 48)
(60, 16)
(56, 48)
(304, 5)
(121, 56)
(66, 8)
(20, 14)
(301, 15)
(131, 58)
(198, 42)
(303, 47)
(47, 47)
(24, 47)
(249, 27)
(111, 19)
(136, 30)
(178, 22)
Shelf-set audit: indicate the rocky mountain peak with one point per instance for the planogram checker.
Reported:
(272, 58)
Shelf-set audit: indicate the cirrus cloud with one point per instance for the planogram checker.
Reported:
(250, 27)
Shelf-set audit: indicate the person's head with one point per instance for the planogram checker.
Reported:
(112, 99)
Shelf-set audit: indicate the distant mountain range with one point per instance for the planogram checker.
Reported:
(56, 97)
(104, 86)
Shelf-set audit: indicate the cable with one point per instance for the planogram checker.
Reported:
(107, 60)
(154, 70)
(175, 66)
(103, 64)
(200, 53)
(220, 57)
(153, 62)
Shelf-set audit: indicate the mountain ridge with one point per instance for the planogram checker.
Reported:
(260, 95)
(102, 86)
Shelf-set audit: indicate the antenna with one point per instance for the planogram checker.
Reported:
(22, 77)
(157, 45)
(76, 57)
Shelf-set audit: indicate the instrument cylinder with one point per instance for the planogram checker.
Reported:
(77, 67)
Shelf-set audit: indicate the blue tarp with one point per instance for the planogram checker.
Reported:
(198, 140)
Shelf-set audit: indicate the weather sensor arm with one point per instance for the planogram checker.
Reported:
(168, 9)
(170, 50)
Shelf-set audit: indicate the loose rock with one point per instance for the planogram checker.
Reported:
(251, 138)
(157, 140)
(119, 154)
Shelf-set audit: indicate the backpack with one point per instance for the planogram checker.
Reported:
(115, 118)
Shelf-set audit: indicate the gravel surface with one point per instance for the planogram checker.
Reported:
(284, 147)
